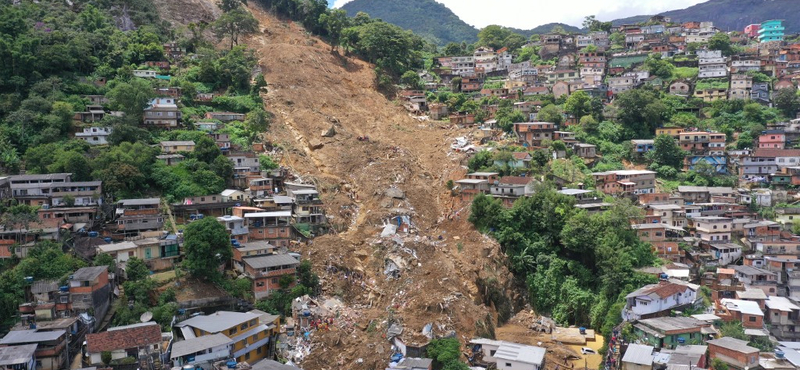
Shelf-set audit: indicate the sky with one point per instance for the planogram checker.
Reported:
(527, 14)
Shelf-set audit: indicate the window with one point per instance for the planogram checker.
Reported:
(752, 319)
(243, 326)
(233, 330)
(508, 364)
(274, 280)
(247, 356)
(258, 350)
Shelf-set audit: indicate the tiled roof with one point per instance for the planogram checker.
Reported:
(124, 338)
(770, 153)
(515, 180)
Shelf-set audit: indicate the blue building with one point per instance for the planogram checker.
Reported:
(771, 31)
(641, 147)
(718, 162)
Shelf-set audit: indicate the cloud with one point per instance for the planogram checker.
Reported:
(339, 3)
(528, 14)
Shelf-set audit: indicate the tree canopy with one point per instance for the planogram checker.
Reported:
(206, 246)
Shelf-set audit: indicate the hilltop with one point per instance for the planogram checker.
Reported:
(427, 18)
(737, 14)
(438, 24)
(431, 20)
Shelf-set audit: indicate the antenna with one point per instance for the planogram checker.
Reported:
(147, 316)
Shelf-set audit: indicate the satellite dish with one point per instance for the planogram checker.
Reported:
(147, 316)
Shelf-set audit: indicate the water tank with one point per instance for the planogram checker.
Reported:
(107, 239)
(29, 279)
(779, 354)
(93, 234)
(63, 288)
(231, 364)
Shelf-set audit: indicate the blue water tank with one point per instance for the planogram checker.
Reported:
(231, 364)
(107, 239)
(64, 288)
(93, 234)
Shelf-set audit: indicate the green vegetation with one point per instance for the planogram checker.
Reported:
(711, 83)
(427, 18)
(446, 353)
(685, 73)
(206, 247)
(576, 267)
(45, 261)
(280, 301)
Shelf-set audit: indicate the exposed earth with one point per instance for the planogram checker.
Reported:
(401, 170)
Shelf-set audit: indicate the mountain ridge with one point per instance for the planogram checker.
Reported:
(437, 23)
(431, 20)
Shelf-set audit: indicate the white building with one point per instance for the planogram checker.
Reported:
(208, 348)
(655, 298)
(510, 356)
(712, 64)
(726, 253)
(94, 135)
(144, 73)
(713, 228)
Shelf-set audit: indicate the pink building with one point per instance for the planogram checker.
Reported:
(772, 139)
(752, 30)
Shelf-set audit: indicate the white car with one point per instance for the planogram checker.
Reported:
(588, 351)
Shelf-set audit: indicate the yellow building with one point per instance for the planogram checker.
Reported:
(174, 147)
(671, 131)
(251, 332)
(709, 95)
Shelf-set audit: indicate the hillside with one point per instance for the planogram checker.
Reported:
(312, 90)
(426, 18)
(432, 20)
(736, 15)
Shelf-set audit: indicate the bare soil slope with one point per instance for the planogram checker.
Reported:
(400, 170)
(312, 90)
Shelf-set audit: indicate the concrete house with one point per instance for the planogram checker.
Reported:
(713, 228)
(250, 249)
(274, 227)
(162, 113)
(734, 352)
(782, 315)
(625, 181)
(510, 356)
(134, 216)
(251, 337)
(266, 272)
(21, 357)
(90, 291)
(747, 312)
(175, 147)
(657, 300)
(670, 332)
(208, 348)
(50, 353)
(638, 357)
(532, 133)
(141, 341)
(94, 135)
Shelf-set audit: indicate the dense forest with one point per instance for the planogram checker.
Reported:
(576, 266)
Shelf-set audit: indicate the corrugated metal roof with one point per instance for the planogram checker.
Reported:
(218, 321)
(639, 354)
(271, 260)
(193, 345)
